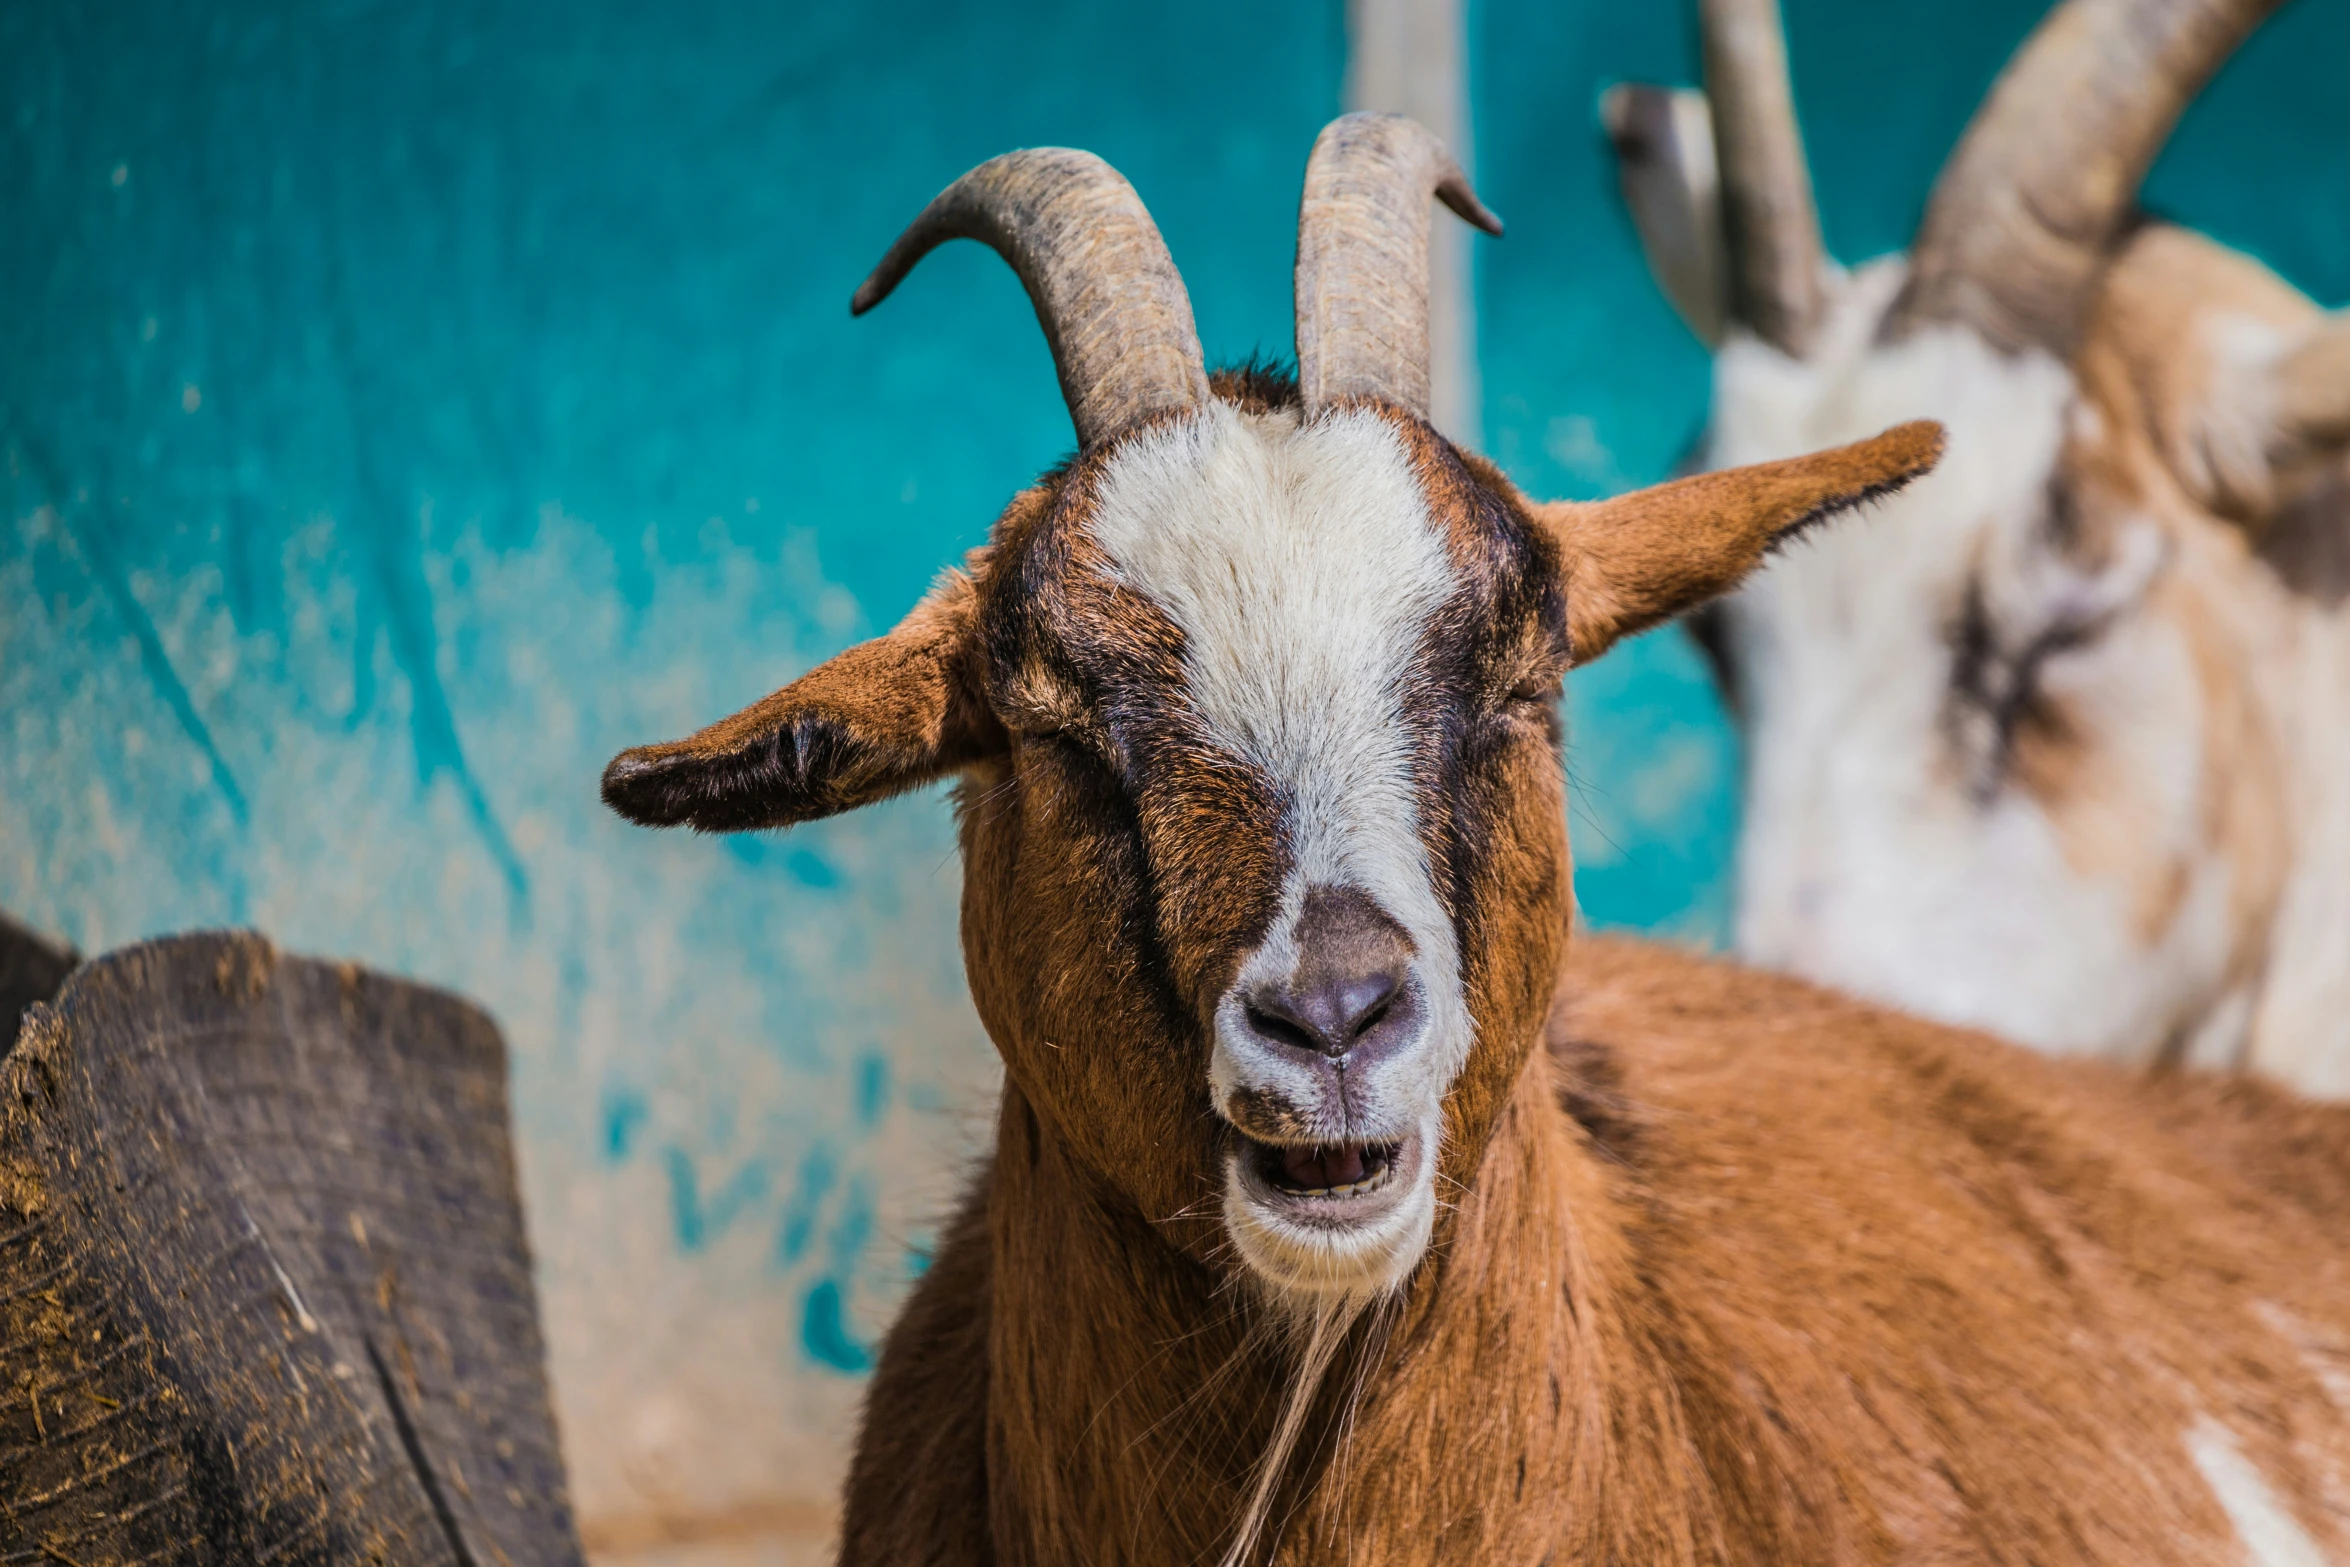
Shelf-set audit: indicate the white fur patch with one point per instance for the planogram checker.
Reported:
(2301, 1029)
(2272, 1536)
(1869, 859)
(1301, 563)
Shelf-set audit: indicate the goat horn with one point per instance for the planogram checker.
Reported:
(2047, 175)
(1770, 223)
(1362, 258)
(1106, 292)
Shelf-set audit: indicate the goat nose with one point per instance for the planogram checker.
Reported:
(1330, 1017)
(1350, 988)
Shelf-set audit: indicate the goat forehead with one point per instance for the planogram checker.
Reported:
(1299, 560)
(1302, 564)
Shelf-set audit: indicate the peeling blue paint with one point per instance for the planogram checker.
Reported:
(852, 1227)
(810, 869)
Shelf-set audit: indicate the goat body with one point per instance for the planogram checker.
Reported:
(1333, 1215)
(1750, 1273)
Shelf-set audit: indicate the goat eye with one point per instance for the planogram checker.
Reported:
(1074, 745)
(1541, 690)
(1996, 682)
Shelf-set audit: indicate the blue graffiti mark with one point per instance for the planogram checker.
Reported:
(824, 1332)
(571, 996)
(699, 1220)
(363, 630)
(810, 869)
(872, 1088)
(799, 1214)
(625, 1112)
(824, 1329)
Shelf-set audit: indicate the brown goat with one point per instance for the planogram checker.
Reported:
(1334, 1216)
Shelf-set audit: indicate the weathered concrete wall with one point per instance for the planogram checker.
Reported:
(403, 407)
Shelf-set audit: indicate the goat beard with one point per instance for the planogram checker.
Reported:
(1317, 1334)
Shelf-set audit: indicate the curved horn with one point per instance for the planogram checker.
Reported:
(1106, 292)
(2047, 175)
(1772, 227)
(1362, 258)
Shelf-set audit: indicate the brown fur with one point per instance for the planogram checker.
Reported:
(2149, 374)
(1830, 1285)
(883, 717)
(1636, 561)
(1729, 1270)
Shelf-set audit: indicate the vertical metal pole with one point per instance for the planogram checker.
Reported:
(1411, 57)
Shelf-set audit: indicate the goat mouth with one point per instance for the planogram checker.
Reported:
(1330, 1187)
(1325, 1170)
(1317, 1217)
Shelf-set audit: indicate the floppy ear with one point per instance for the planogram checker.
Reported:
(2311, 391)
(886, 716)
(1664, 144)
(1643, 558)
(2306, 534)
(2248, 438)
(2308, 446)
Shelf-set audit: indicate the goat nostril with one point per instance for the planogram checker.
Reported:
(1279, 1027)
(1330, 1018)
(1362, 1004)
(1351, 980)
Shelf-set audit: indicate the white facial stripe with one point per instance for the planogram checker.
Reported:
(1302, 565)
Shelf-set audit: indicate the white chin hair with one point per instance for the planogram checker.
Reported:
(1308, 1263)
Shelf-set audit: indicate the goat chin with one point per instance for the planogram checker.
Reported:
(1306, 1267)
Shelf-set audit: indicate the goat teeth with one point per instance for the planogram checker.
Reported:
(1370, 1182)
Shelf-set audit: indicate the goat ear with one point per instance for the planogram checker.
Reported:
(883, 717)
(2309, 402)
(1640, 559)
(2254, 435)
(1664, 144)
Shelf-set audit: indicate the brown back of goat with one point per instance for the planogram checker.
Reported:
(1336, 1214)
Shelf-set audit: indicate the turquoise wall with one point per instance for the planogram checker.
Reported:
(406, 406)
